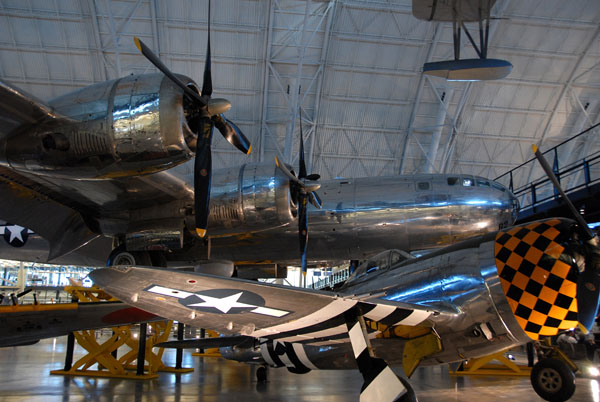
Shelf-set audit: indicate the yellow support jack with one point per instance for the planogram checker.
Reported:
(103, 356)
(482, 366)
(91, 294)
(211, 352)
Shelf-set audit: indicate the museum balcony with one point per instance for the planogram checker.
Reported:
(576, 164)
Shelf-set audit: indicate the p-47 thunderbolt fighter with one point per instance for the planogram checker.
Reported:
(472, 299)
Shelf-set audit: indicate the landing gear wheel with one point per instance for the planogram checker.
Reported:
(410, 395)
(261, 374)
(553, 380)
(120, 256)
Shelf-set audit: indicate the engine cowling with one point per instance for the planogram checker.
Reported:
(254, 198)
(125, 127)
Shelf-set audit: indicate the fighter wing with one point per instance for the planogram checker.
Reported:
(235, 306)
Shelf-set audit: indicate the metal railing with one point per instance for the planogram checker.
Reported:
(333, 279)
(573, 175)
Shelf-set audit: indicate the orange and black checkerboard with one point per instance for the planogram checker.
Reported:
(540, 286)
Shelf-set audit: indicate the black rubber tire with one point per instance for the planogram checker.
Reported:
(120, 256)
(261, 374)
(553, 380)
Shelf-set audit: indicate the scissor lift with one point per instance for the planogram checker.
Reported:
(101, 359)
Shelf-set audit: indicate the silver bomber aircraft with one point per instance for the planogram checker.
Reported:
(107, 167)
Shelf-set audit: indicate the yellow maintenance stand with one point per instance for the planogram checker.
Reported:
(103, 355)
(483, 366)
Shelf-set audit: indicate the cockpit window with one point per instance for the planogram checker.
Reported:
(483, 183)
(498, 186)
(380, 262)
(452, 181)
(423, 185)
(467, 182)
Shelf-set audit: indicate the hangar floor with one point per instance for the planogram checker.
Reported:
(24, 376)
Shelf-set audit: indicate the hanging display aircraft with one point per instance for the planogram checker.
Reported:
(105, 162)
(460, 12)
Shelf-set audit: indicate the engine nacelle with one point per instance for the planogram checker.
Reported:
(129, 126)
(256, 198)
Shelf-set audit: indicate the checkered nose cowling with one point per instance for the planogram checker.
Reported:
(539, 275)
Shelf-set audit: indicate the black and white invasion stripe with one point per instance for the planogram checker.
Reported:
(291, 355)
(329, 322)
(380, 382)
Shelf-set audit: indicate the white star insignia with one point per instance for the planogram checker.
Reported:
(15, 232)
(224, 305)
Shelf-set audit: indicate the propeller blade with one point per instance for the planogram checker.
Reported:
(310, 187)
(207, 80)
(313, 177)
(315, 200)
(202, 176)
(588, 292)
(581, 222)
(303, 229)
(588, 281)
(287, 172)
(145, 50)
(232, 133)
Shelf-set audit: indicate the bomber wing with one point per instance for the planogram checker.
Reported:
(260, 310)
(18, 107)
(26, 324)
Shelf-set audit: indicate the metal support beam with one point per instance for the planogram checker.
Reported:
(437, 33)
(141, 357)
(265, 94)
(295, 90)
(436, 135)
(562, 94)
(98, 41)
(115, 38)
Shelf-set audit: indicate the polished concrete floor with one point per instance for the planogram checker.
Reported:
(24, 376)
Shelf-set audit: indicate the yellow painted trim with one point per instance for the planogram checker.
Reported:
(38, 307)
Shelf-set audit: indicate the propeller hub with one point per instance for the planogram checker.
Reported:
(218, 106)
(310, 187)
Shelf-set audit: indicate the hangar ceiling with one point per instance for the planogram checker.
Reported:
(350, 69)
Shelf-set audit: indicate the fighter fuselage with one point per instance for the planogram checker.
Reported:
(493, 292)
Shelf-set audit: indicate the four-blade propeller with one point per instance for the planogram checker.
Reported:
(207, 113)
(588, 281)
(303, 190)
